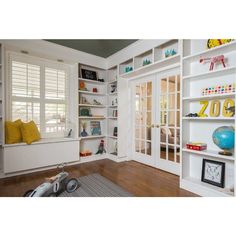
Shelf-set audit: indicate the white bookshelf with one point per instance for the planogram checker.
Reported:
(195, 77)
(96, 103)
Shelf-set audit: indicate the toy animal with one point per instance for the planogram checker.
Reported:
(101, 148)
(213, 61)
(231, 109)
(55, 185)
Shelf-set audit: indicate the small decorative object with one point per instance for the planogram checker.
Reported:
(69, 133)
(192, 115)
(101, 148)
(223, 137)
(213, 61)
(85, 153)
(82, 86)
(128, 69)
(170, 52)
(115, 131)
(231, 110)
(196, 146)
(211, 43)
(115, 152)
(95, 128)
(95, 102)
(101, 80)
(88, 74)
(146, 62)
(219, 89)
(83, 100)
(95, 90)
(85, 112)
(84, 133)
(213, 172)
(204, 107)
(114, 113)
(113, 88)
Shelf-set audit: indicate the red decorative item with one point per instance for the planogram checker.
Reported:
(95, 90)
(196, 146)
(213, 60)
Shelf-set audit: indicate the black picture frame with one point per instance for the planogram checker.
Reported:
(221, 183)
(88, 74)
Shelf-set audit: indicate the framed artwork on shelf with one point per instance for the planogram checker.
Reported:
(88, 74)
(95, 128)
(213, 172)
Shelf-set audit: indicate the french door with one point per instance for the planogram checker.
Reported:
(156, 121)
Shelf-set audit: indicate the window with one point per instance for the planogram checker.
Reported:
(38, 91)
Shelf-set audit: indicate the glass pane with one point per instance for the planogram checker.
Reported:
(148, 133)
(137, 90)
(163, 102)
(163, 115)
(144, 103)
(178, 100)
(149, 89)
(149, 148)
(171, 118)
(142, 119)
(137, 132)
(142, 147)
(172, 101)
(164, 86)
(137, 118)
(177, 134)
(137, 147)
(178, 83)
(171, 153)
(143, 131)
(164, 134)
(178, 118)
(149, 104)
(171, 136)
(137, 105)
(172, 84)
(143, 90)
(177, 151)
(163, 151)
(149, 118)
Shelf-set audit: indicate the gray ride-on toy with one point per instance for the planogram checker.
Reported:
(55, 185)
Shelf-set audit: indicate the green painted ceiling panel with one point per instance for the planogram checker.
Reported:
(99, 47)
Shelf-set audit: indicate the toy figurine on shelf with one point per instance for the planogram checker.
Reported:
(101, 148)
(211, 43)
(95, 102)
(231, 110)
(128, 69)
(170, 52)
(146, 62)
(213, 61)
(83, 100)
(113, 88)
(95, 90)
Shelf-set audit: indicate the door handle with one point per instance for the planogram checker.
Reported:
(157, 126)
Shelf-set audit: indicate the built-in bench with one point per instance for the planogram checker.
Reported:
(44, 153)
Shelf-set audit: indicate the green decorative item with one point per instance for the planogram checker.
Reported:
(85, 112)
(223, 137)
(146, 62)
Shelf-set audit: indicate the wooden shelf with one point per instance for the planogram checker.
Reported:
(220, 96)
(115, 93)
(206, 189)
(223, 49)
(92, 117)
(92, 137)
(92, 93)
(112, 106)
(91, 105)
(209, 153)
(111, 136)
(208, 74)
(209, 118)
(92, 81)
(93, 157)
(113, 81)
(112, 118)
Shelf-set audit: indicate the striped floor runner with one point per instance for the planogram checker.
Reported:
(95, 185)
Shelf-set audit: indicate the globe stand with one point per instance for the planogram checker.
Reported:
(226, 153)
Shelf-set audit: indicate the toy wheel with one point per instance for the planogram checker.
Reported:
(72, 185)
(27, 194)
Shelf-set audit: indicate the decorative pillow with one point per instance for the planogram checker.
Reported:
(166, 131)
(13, 132)
(30, 132)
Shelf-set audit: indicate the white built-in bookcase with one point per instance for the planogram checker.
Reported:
(1, 103)
(195, 77)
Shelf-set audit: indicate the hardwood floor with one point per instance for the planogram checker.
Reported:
(138, 179)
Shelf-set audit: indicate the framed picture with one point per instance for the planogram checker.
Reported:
(88, 74)
(213, 172)
(95, 128)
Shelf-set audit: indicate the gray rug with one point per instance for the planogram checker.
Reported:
(95, 185)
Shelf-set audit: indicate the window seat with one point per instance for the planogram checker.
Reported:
(44, 141)
(44, 153)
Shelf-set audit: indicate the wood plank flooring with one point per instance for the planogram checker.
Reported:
(138, 179)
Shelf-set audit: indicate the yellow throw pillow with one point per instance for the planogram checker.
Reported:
(13, 132)
(30, 132)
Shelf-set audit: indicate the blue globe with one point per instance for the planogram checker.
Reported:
(223, 137)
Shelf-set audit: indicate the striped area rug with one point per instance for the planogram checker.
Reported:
(95, 185)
